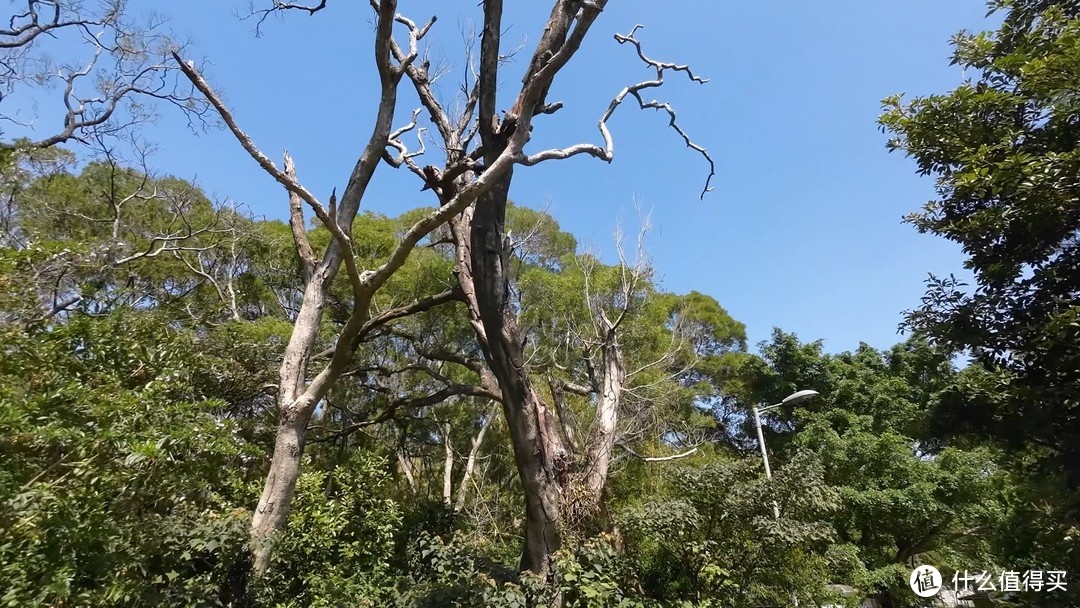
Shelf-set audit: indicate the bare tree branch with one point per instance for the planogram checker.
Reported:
(123, 60)
(685, 454)
(607, 151)
(415, 403)
(296, 224)
(24, 27)
(278, 6)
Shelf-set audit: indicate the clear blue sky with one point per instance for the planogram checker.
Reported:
(803, 229)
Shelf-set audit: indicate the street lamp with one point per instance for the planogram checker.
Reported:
(792, 399)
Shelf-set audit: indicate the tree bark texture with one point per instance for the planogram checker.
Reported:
(542, 460)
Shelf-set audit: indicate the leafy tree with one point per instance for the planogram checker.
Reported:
(906, 496)
(121, 484)
(105, 235)
(707, 535)
(1005, 150)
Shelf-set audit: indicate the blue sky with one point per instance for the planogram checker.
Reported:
(803, 230)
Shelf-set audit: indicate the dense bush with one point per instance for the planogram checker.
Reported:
(119, 485)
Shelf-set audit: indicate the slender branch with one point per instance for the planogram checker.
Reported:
(660, 65)
(421, 305)
(385, 317)
(290, 183)
(607, 151)
(16, 35)
(630, 451)
(455, 390)
(279, 6)
(188, 68)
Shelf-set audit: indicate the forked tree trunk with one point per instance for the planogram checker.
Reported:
(293, 415)
(297, 398)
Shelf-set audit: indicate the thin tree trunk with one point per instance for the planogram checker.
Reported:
(230, 284)
(448, 466)
(470, 463)
(558, 397)
(406, 469)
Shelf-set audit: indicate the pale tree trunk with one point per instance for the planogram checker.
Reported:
(558, 397)
(297, 399)
(538, 450)
(483, 252)
(293, 416)
(406, 470)
(602, 437)
(230, 285)
(474, 452)
(448, 465)
(280, 484)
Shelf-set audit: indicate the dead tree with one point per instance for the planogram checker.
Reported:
(600, 373)
(481, 176)
(542, 457)
(483, 250)
(297, 395)
(109, 57)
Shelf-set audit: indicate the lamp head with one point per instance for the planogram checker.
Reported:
(799, 397)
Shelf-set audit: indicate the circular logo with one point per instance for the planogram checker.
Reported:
(925, 581)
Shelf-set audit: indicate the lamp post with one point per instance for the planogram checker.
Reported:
(792, 399)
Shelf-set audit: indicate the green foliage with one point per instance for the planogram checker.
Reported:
(598, 575)
(450, 573)
(906, 496)
(1005, 151)
(595, 574)
(119, 484)
(339, 542)
(136, 419)
(238, 361)
(712, 538)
